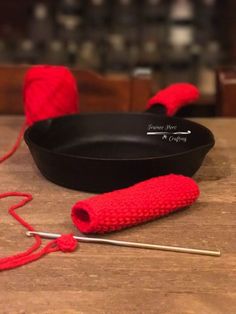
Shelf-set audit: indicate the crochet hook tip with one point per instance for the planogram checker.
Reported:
(43, 234)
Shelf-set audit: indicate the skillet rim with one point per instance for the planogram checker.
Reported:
(30, 143)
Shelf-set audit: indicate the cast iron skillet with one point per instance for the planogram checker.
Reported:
(106, 151)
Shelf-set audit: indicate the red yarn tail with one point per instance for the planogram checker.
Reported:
(65, 243)
(16, 145)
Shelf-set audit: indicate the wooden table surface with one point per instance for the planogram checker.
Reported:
(106, 279)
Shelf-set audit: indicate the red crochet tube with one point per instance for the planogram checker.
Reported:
(139, 203)
(174, 97)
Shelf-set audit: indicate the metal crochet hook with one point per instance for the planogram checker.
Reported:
(128, 244)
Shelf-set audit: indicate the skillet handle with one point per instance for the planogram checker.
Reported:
(169, 100)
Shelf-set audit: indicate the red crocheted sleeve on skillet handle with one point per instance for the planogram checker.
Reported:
(174, 97)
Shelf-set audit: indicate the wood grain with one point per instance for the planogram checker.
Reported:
(106, 279)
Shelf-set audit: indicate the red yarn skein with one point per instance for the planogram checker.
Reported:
(49, 92)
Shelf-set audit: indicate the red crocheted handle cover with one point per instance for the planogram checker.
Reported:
(174, 97)
(141, 202)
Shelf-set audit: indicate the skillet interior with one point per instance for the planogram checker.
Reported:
(117, 136)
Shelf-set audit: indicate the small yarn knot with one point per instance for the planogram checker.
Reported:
(66, 243)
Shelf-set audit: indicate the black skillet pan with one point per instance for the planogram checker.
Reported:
(106, 151)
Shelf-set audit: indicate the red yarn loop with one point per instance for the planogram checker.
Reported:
(66, 243)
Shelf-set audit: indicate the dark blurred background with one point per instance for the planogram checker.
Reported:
(179, 40)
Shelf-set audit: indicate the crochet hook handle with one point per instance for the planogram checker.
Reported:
(129, 244)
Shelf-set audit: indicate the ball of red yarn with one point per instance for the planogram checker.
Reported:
(49, 92)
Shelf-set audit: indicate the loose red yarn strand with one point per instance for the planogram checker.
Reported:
(4, 262)
(23, 260)
(16, 145)
(66, 243)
